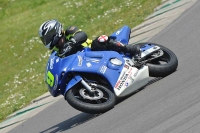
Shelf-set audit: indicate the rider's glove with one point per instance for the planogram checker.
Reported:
(66, 48)
(72, 41)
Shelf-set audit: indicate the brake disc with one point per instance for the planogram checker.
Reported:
(98, 94)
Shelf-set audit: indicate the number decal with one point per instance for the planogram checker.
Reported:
(50, 79)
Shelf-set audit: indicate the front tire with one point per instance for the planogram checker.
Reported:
(102, 101)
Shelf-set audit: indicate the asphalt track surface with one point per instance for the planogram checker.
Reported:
(167, 105)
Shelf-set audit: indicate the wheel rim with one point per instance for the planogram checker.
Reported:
(99, 96)
(164, 59)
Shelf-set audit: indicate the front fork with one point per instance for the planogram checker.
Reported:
(78, 79)
(87, 87)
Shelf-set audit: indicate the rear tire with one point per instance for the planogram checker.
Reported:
(156, 68)
(101, 102)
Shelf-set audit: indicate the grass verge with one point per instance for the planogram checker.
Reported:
(23, 58)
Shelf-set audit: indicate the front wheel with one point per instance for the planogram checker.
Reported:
(101, 101)
(164, 65)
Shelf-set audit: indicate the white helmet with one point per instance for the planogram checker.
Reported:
(50, 32)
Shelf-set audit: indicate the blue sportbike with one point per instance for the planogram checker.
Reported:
(91, 81)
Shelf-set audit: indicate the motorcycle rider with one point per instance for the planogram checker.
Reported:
(74, 39)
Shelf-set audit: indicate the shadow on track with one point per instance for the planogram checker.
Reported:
(71, 123)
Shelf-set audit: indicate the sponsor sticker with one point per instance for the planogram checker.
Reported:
(57, 60)
(80, 60)
(122, 81)
(56, 83)
(52, 62)
(125, 78)
(126, 84)
(117, 84)
(103, 69)
(136, 73)
(126, 66)
(89, 64)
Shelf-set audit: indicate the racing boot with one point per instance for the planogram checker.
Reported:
(133, 50)
(104, 42)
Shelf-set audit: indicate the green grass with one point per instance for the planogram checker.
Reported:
(23, 57)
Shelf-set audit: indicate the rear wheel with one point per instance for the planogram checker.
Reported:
(164, 65)
(101, 101)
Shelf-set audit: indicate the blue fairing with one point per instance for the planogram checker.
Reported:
(122, 35)
(58, 70)
(54, 69)
(85, 62)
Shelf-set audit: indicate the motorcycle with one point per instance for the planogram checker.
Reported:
(92, 81)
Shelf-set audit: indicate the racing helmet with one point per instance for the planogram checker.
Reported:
(50, 32)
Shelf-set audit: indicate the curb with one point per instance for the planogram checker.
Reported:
(22, 115)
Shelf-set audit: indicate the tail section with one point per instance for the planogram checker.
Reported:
(122, 35)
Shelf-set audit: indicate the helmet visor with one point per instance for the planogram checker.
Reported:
(47, 39)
